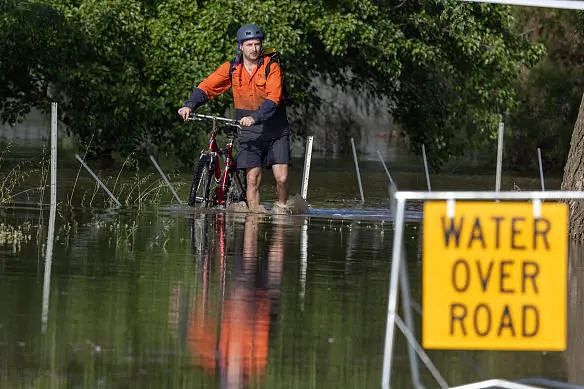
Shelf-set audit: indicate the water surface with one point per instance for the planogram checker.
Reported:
(155, 295)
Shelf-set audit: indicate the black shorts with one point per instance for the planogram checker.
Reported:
(260, 152)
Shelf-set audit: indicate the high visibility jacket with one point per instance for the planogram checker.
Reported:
(253, 95)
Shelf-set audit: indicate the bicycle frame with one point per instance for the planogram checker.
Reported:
(221, 175)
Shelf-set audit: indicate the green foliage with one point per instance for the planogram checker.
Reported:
(31, 36)
(550, 94)
(121, 68)
(459, 64)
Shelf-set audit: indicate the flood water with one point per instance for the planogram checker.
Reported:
(155, 295)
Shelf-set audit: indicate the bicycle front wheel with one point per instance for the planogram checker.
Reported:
(237, 188)
(201, 183)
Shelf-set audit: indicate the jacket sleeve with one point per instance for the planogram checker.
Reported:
(217, 83)
(198, 98)
(274, 84)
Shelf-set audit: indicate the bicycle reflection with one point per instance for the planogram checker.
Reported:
(229, 324)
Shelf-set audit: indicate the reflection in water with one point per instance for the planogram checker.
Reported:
(229, 324)
(300, 304)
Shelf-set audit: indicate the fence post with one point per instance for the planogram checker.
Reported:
(357, 170)
(426, 168)
(52, 217)
(96, 178)
(499, 156)
(306, 171)
(540, 168)
(166, 180)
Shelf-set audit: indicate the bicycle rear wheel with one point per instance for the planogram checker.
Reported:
(201, 183)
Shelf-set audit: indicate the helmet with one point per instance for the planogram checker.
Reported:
(249, 31)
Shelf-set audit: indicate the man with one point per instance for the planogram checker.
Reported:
(257, 97)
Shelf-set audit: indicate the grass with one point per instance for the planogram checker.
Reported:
(15, 237)
(131, 184)
(138, 189)
(15, 177)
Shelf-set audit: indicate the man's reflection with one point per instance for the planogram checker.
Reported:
(229, 325)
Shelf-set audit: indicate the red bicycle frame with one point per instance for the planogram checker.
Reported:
(222, 175)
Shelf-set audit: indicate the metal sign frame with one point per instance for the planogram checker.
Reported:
(398, 275)
(563, 4)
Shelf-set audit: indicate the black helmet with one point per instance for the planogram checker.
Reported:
(249, 31)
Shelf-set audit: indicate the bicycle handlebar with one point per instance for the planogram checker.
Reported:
(226, 121)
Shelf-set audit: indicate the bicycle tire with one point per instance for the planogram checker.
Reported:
(235, 193)
(201, 183)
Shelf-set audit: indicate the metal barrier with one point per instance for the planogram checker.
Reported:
(398, 276)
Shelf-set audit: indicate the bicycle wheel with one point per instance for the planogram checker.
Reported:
(199, 193)
(237, 188)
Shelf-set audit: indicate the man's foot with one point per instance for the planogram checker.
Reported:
(259, 209)
(281, 209)
(240, 206)
(297, 205)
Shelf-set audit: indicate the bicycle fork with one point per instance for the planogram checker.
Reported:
(224, 182)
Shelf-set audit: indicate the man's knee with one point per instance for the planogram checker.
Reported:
(282, 179)
(253, 177)
(281, 174)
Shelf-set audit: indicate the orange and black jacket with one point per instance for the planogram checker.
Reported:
(255, 95)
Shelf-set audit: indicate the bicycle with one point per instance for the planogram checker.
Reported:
(217, 167)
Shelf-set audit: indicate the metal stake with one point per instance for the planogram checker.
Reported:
(96, 178)
(52, 216)
(166, 180)
(499, 156)
(426, 167)
(540, 168)
(306, 171)
(357, 170)
(391, 181)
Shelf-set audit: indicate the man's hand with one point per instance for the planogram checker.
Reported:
(247, 121)
(184, 112)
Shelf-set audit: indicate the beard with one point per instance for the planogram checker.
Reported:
(252, 56)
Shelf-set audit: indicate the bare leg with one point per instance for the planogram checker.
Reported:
(254, 177)
(281, 176)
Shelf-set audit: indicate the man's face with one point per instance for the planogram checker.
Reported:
(251, 49)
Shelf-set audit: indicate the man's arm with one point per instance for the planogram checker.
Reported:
(217, 83)
(198, 98)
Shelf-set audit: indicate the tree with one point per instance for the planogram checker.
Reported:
(31, 36)
(121, 68)
(549, 94)
(574, 176)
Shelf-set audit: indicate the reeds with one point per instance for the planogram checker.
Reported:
(14, 237)
(137, 190)
(134, 187)
(13, 179)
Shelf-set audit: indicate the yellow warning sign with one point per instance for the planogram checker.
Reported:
(494, 276)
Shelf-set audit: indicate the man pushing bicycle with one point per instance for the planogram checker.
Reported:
(256, 80)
